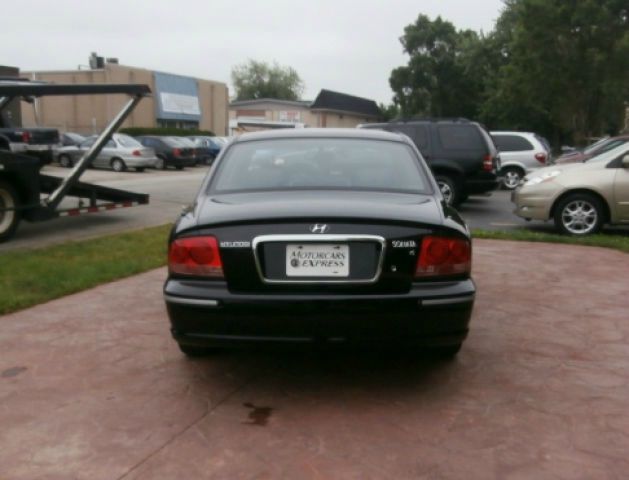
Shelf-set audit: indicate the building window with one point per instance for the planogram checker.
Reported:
(187, 124)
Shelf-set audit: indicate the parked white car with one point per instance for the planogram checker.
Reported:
(521, 153)
(120, 153)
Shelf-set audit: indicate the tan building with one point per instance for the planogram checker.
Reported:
(329, 110)
(177, 101)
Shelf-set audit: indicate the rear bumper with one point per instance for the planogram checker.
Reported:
(36, 148)
(181, 162)
(18, 147)
(479, 185)
(427, 315)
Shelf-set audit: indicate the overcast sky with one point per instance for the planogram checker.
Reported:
(346, 45)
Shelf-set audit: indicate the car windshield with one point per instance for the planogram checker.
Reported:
(129, 142)
(75, 137)
(610, 155)
(321, 163)
(595, 145)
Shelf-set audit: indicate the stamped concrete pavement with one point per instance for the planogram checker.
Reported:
(92, 387)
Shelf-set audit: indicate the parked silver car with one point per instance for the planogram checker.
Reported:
(521, 153)
(579, 197)
(120, 153)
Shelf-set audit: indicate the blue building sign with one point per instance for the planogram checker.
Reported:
(177, 97)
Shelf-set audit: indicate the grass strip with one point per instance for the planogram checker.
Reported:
(616, 242)
(30, 277)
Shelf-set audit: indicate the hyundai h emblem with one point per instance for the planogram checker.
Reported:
(319, 228)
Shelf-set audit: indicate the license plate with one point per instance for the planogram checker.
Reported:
(320, 260)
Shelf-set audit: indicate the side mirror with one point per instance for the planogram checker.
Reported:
(625, 160)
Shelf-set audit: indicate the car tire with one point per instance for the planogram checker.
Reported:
(160, 164)
(449, 189)
(9, 221)
(511, 177)
(179, 167)
(65, 161)
(139, 169)
(118, 165)
(194, 351)
(579, 214)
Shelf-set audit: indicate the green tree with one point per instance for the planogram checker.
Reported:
(254, 79)
(389, 111)
(557, 67)
(439, 79)
(566, 68)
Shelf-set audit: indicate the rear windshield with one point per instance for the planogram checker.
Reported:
(321, 163)
(174, 142)
(129, 142)
(183, 142)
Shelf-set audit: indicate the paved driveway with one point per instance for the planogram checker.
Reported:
(91, 387)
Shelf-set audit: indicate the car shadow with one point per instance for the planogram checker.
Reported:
(618, 231)
(389, 373)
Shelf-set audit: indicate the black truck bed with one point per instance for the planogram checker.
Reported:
(30, 195)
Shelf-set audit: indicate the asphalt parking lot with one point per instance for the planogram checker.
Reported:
(92, 387)
(171, 190)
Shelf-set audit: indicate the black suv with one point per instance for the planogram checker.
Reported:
(461, 154)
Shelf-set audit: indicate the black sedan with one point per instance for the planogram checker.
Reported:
(170, 151)
(319, 236)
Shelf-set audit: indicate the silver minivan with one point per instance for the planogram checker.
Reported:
(521, 153)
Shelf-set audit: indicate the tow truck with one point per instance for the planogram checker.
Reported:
(27, 194)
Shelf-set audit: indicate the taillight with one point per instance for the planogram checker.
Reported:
(176, 152)
(540, 157)
(136, 153)
(197, 256)
(26, 137)
(488, 163)
(443, 256)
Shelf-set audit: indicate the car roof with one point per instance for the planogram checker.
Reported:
(421, 121)
(356, 133)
